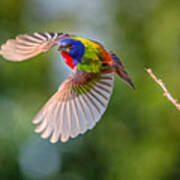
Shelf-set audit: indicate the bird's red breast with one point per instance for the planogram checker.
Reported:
(68, 59)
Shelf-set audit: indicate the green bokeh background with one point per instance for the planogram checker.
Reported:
(138, 137)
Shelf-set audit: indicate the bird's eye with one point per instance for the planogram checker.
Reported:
(70, 46)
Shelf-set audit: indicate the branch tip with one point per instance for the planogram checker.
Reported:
(162, 85)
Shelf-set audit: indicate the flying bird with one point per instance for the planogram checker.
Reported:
(83, 97)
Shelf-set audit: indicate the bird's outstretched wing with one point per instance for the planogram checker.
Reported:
(26, 46)
(76, 106)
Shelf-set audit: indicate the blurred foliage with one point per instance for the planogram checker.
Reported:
(138, 137)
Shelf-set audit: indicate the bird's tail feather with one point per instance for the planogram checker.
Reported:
(120, 70)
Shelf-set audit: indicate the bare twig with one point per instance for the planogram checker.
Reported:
(162, 85)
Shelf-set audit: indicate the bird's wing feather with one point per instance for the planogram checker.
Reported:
(26, 46)
(76, 106)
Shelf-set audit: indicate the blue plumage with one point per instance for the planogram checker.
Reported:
(76, 49)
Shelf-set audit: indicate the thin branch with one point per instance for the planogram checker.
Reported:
(162, 85)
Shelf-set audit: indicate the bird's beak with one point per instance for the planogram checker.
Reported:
(61, 48)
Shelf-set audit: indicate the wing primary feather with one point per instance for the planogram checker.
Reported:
(77, 118)
(73, 129)
(91, 100)
(49, 110)
(100, 93)
(95, 97)
(44, 110)
(55, 136)
(40, 116)
(26, 41)
(41, 126)
(30, 39)
(69, 114)
(94, 104)
(47, 132)
(75, 109)
(24, 50)
(88, 106)
(48, 35)
(40, 36)
(92, 122)
(55, 123)
(64, 113)
(83, 127)
(81, 107)
(102, 88)
(36, 36)
(44, 35)
(53, 35)
(66, 129)
(105, 83)
(61, 119)
(106, 77)
(84, 112)
(23, 42)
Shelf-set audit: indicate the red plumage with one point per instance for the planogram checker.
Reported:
(68, 59)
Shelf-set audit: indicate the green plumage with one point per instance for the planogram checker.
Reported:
(91, 61)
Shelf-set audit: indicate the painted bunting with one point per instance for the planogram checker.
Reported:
(83, 97)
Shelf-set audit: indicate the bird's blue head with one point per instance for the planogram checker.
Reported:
(74, 48)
